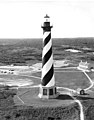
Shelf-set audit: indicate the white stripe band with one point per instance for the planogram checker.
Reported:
(46, 48)
(51, 82)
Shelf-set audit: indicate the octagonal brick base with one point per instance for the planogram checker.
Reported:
(48, 92)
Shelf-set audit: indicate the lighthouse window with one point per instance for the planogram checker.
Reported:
(55, 90)
(44, 91)
(51, 92)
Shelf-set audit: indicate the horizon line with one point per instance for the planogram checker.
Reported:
(52, 38)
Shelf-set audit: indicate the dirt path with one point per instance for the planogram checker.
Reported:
(91, 82)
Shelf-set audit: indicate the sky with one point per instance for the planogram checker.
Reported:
(23, 18)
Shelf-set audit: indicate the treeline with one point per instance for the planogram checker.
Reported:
(48, 113)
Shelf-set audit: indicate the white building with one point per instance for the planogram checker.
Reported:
(84, 66)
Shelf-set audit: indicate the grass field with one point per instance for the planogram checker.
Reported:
(69, 79)
(30, 97)
(64, 78)
(18, 80)
(66, 69)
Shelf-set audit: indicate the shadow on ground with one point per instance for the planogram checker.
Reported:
(64, 97)
(84, 98)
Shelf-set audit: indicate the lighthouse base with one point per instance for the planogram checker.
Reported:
(48, 92)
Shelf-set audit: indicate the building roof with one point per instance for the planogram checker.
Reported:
(46, 16)
(84, 63)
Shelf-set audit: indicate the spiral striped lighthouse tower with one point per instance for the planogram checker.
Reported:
(47, 87)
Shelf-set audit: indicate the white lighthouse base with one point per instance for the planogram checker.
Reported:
(48, 92)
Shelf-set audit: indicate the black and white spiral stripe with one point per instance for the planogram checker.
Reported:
(48, 79)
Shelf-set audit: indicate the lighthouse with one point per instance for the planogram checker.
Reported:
(47, 88)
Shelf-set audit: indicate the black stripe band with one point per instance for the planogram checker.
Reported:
(47, 39)
(48, 77)
(47, 57)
